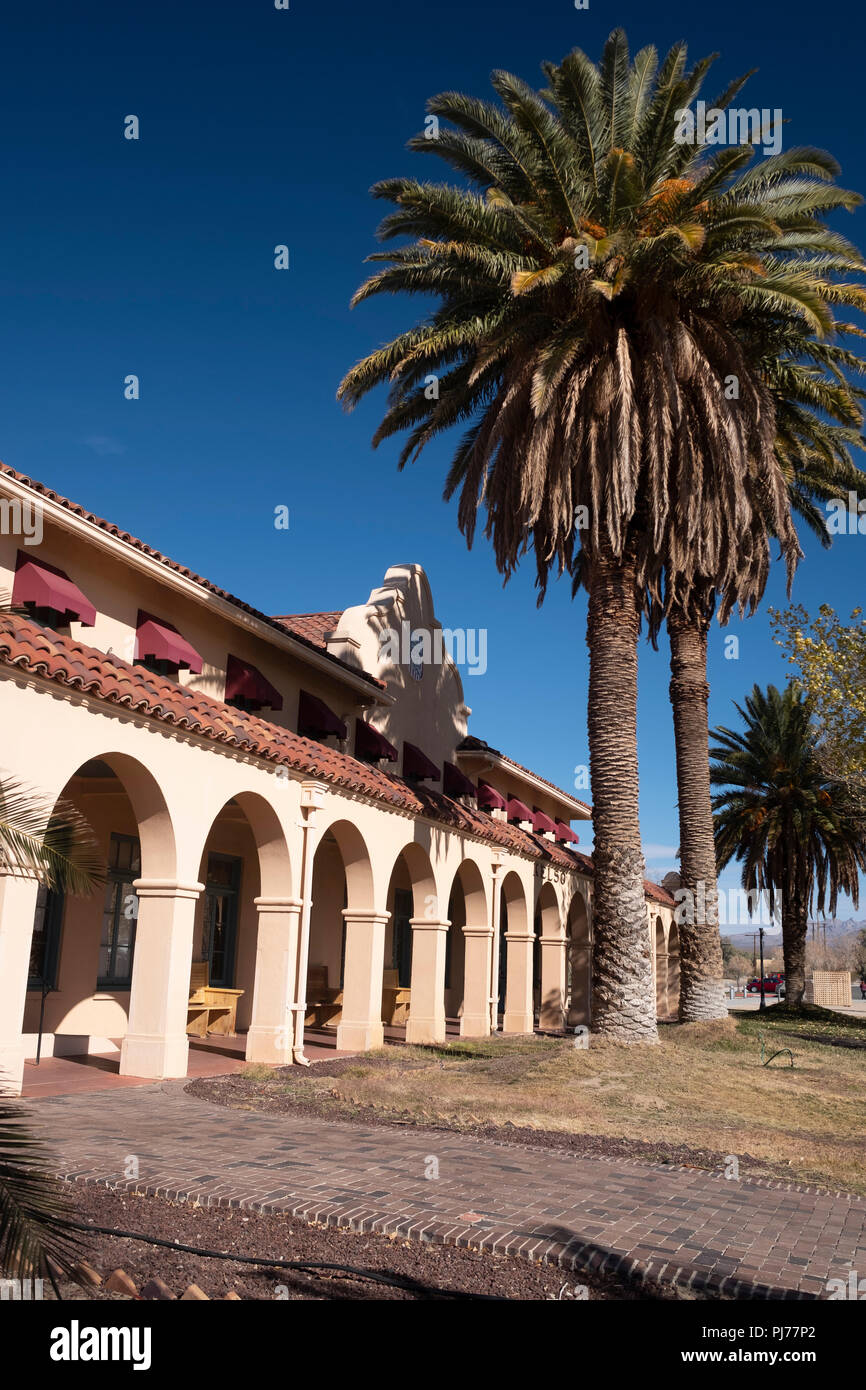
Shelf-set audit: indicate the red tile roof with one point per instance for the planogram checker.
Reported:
(112, 530)
(314, 627)
(28, 647)
(58, 658)
(472, 744)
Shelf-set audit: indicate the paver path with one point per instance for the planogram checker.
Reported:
(678, 1224)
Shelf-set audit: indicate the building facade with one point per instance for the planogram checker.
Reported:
(291, 810)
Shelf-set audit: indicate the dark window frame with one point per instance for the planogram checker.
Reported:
(52, 905)
(117, 878)
(232, 894)
(401, 950)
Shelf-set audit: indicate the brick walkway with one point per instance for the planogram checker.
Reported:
(748, 1238)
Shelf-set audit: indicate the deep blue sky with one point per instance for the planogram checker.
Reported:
(155, 257)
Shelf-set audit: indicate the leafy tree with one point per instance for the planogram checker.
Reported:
(794, 830)
(830, 657)
(600, 284)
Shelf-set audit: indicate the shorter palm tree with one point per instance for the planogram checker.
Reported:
(798, 835)
(53, 842)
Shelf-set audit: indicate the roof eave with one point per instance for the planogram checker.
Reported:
(156, 569)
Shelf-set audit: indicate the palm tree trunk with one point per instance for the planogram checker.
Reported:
(795, 929)
(623, 993)
(701, 968)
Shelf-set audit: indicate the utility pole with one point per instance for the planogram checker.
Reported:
(763, 1004)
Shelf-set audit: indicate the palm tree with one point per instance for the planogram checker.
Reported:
(795, 831)
(54, 843)
(814, 454)
(598, 282)
(51, 841)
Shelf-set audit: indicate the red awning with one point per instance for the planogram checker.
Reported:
(489, 798)
(369, 743)
(157, 640)
(315, 718)
(518, 810)
(456, 783)
(417, 764)
(245, 682)
(565, 832)
(43, 586)
(542, 824)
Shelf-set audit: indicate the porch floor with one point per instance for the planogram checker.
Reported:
(213, 1056)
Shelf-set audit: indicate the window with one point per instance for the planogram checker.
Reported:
(220, 919)
(402, 953)
(121, 909)
(45, 945)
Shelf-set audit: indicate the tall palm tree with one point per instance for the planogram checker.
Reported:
(594, 279)
(814, 452)
(796, 833)
(53, 842)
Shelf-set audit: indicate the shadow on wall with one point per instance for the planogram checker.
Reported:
(429, 704)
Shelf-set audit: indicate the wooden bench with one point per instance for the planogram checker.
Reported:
(324, 1004)
(211, 1009)
(395, 999)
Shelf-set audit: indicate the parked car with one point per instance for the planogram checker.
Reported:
(770, 985)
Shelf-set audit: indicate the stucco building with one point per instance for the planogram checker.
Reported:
(290, 809)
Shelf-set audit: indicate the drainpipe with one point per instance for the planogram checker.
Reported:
(312, 798)
(498, 856)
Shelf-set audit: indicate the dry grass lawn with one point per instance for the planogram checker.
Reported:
(703, 1087)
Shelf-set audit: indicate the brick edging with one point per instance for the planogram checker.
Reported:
(587, 1258)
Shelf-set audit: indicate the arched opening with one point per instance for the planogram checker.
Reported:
(578, 964)
(341, 883)
(548, 976)
(661, 969)
(516, 942)
(467, 908)
(244, 857)
(82, 953)
(673, 974)
(411, 897)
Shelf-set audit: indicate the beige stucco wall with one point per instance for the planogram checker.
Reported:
(118, 591)
(184, 797)
(173, 789)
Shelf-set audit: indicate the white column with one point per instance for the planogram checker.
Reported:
(426, 1021)
(552, 1012)
(475, 1020)
(519, 1016)
(360, 1027)
(17, 910)
(156, 1043)
(272, 1027)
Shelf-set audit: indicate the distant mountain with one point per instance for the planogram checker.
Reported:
(836, 932)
